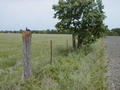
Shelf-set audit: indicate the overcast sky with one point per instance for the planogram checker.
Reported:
(38, 14)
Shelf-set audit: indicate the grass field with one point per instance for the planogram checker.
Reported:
(84, 70)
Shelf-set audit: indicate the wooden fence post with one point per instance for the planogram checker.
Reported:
(67, 47)
(51, 53)
(27, 54)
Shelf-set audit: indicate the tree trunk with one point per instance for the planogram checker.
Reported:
(74, 41)
(79, 42)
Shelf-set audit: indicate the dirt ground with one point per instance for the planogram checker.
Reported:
(113, 52)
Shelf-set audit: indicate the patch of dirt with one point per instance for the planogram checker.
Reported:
(113, 52)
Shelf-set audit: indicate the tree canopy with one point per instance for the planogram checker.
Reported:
(82, 17)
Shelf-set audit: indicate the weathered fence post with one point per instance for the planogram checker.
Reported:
(27, 54)
(67, 47)
(51, 53)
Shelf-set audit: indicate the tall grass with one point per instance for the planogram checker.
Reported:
(82, 70)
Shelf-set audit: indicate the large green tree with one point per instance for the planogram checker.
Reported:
(83, 18)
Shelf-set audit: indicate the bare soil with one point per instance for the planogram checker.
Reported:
(113, 52)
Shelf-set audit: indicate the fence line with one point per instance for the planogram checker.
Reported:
(26, 35)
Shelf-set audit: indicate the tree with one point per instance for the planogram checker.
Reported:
(83, 18)
(116, 30)
(92, 26)
(111, 33)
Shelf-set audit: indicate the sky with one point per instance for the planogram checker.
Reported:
(38, 14)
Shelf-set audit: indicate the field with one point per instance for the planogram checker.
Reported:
(81, 70)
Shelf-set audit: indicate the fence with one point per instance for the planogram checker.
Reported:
(26, 36)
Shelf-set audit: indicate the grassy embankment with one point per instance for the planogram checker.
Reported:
(70, 71)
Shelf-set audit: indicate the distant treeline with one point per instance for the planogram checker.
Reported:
(36, 31)
(114, 32)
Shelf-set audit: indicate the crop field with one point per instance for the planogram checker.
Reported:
(81, 70)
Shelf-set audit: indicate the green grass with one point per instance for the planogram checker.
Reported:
(84, 70)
